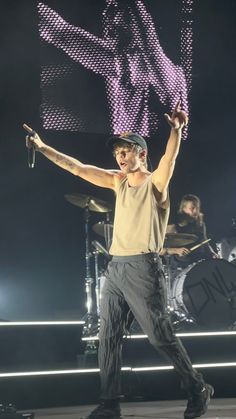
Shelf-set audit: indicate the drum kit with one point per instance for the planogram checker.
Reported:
(203, 294)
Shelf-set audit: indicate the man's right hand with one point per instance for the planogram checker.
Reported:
(33, 138)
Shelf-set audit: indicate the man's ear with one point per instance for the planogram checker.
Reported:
(143, 155)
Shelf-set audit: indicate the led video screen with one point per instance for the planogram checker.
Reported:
(109, 66)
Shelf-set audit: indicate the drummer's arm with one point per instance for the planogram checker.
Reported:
(170, 251)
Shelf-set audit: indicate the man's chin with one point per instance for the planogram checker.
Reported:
(124, 169)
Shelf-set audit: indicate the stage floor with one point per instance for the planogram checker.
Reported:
(218, 409)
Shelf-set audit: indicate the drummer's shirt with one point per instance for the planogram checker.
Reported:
(140, 221)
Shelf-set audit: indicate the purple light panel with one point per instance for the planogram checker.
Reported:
(128, 58)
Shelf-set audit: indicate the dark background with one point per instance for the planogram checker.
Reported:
(42, 241)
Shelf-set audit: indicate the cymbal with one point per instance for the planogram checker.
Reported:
(92, 203)
(179, 239)
(102, 228)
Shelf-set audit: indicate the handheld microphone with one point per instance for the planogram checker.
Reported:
(31, 153)
(31, 149)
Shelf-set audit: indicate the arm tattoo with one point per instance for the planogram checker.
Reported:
(64, 161)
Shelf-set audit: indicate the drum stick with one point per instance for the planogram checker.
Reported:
(198, 245)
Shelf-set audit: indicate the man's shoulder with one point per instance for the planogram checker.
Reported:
(119, 177)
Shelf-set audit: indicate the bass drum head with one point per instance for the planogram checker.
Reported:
(207, 291)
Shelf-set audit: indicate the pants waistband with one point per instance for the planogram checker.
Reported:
(137, 258)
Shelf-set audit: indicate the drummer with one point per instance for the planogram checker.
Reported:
(190, 220)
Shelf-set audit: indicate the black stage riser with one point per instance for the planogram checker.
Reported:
(33, 347)
(202, 349)
(41, 392)
(42, 348)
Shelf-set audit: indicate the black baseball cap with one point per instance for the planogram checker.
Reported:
(128, 137)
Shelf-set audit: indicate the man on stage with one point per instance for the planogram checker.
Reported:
(134, 279)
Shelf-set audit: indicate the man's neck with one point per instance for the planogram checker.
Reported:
(138, 177)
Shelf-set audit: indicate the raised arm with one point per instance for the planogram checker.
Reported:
(162, 175)
(97, 176)
(92, 52)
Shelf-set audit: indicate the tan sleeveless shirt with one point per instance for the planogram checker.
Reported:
(140, 222)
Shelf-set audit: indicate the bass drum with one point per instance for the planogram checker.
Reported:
(206, 290)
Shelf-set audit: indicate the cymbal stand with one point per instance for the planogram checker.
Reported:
(169, 280)
(90, 316)
(107, 231)
(99, 275)
(97, 280)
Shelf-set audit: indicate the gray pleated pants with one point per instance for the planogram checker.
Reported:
(137, 283)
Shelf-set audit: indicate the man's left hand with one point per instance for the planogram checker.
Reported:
(178, 119)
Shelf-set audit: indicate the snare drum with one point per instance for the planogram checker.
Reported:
(206, 290)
